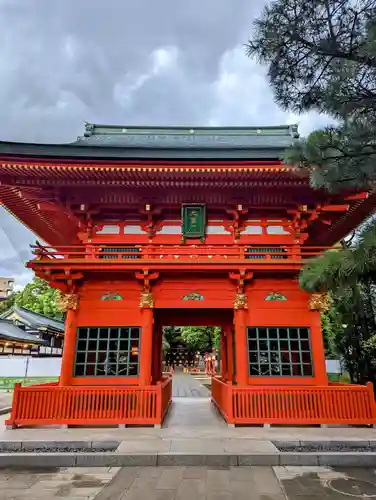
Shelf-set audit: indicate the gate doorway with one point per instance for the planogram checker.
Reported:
(191, 384)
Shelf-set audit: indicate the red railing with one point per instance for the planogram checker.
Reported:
(166, 395)
(221, 394)
(54, 405)
(333, 404)
(206, 253)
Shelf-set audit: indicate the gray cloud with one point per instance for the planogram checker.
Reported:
(141, 62)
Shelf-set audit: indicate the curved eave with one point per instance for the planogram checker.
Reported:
(43, 224)
(146, 171)
(350, 220)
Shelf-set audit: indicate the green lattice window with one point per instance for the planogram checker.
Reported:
(107, 351)
(113, 253)
(263, 252)
(279, 352)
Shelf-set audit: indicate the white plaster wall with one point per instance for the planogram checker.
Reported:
(333, 366)
(15, 366)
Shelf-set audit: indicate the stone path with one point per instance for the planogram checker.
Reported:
(187, 483)
(185, 385)
(186, 413)
(72, 484)
(5, 399)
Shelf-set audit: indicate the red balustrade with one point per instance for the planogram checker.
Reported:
(175, 253)
(166, 395)
(332, 404)
(221, 393)
(56, 405)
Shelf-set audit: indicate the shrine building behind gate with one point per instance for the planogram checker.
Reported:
(147, 227)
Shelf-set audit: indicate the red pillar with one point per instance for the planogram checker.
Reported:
(318, 351)
(223, 354)
(230, 353)
(69, 349)
(241, 351)
(146, 350)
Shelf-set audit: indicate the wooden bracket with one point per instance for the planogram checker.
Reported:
(240, 277)
(147, 277)
(238, 221)
(151, 225)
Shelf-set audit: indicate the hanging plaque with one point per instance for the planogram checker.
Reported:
(193, 221)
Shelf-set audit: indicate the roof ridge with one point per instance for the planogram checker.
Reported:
(95, 129)
(38, 314)
(16, 306)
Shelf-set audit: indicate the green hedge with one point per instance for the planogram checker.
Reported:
(7, 383)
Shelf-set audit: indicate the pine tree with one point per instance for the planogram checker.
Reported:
(321, 55)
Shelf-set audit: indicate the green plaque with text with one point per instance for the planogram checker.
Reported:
(194, 220)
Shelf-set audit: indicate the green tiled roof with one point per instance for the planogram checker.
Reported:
(10, 332)
(172, 143)
(188, 137)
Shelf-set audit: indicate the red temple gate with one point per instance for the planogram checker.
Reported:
(146, 228)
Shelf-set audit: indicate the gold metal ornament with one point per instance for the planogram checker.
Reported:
(241, 301)
(146, 300)
(320, 302)
(68, 301)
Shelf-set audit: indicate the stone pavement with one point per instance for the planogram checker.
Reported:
(5, 399)
(187, 483)
(188, 412)
(185, 385)
(205, 431)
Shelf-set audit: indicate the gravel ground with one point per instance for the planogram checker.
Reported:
(327, 448)
(57, 450)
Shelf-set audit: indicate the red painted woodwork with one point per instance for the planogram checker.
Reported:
(51, 405)
(67, 362)
(241, 351)
(176, 253)
(223, 355)
(252, 207)
(146, 347)
(330, 404)
(230, 353)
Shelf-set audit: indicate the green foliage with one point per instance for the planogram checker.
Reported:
(332, 329)
(8, 302)
(201, 338)
(321, 55)
(38, 296)
(349, 327)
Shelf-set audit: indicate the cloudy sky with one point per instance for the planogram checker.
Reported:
(134, 62)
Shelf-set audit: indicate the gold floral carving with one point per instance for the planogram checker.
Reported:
(68, 301)
(240, 301)
(146, 300)
(320, 302)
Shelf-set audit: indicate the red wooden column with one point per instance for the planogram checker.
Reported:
(241, 350)
(318, 351)
(70, 338)
(146, 350)
(230, 353)
(223, 354)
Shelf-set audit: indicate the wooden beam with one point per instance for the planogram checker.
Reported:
(335, 208)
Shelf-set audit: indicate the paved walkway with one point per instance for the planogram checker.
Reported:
(5, 399)
(186, 483)
(185, 385)
(187, 412)
(199, 432)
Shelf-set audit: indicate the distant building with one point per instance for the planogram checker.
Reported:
(6, 287)
(26, 332)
